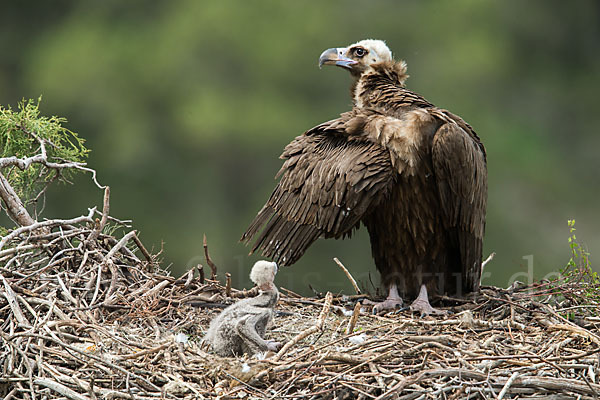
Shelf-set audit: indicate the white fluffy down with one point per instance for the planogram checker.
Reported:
(263, 271)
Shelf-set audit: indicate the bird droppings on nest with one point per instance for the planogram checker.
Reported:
(134, 331)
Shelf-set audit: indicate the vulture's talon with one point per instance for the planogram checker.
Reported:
(421, 304)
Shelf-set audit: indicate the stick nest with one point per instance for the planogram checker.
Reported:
(86, 315)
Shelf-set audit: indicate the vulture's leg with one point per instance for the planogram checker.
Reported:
(392, 302)
(422, 305)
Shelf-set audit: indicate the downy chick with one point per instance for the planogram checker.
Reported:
(240, 328)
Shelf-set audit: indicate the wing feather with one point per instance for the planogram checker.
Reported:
(327, 183)
(459, 164)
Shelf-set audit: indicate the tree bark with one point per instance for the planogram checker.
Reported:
(14, 207)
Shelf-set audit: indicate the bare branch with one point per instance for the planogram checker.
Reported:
(47, 224)
(318, 326)
(14, 207)
(487, 260)
(59, 388)
(105, 209)
(42, 158)
(211, 264)
(353, 318)
(120, 244)
(350, 278)
(142, 248)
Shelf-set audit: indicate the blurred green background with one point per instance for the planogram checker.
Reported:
(187, 105)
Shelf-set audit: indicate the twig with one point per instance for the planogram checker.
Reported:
(14, 206)
(350, 278)
(11, 297)
(227, 284)
(142, 352)
(576, 330)
(126, 238)
(155, 290)
(200, 269)
(140, 246)
(377, 375)
(105, 210)
(507, 385)
(213, 267)
(47, 224)
(353, 318)
(487, 260)
(113, 269)
(307, 332)
(62, 389)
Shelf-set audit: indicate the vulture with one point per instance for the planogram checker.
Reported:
(413, 174)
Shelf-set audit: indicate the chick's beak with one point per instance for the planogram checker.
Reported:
(335, 56)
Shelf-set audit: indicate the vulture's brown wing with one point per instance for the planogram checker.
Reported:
(328, 181)
(460, 168)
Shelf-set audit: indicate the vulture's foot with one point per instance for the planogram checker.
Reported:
(421, 304)
(393, 302)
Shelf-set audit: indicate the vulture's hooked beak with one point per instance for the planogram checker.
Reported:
(335, 56)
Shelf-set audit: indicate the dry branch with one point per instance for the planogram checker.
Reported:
(60, 389)
(307, 332)
(105, 210)
(14, 206)
(47, 224)
(353, 318)
(350, 278)
(487, 260)
(213, 267)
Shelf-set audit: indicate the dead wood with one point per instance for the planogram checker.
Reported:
(211, 264)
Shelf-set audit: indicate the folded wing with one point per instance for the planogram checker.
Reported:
(460, 168)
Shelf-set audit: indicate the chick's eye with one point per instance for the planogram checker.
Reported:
(360, 52)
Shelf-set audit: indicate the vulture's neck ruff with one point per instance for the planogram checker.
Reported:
(391, 73)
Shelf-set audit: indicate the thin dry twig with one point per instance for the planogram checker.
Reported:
(507, 385)
(307, 332)
(353, 318)
(227, 284)
(105, 210)
(51, 223)
(350, 278)
(213, 267)
(487, 260)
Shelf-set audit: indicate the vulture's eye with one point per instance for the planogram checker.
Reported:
(360, 52)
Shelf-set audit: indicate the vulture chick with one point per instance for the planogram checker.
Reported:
(414, 174)
(241, 327)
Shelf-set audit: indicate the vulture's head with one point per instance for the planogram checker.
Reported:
(263, 274)
(358, 57)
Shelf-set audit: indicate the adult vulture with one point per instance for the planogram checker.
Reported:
(414, 174)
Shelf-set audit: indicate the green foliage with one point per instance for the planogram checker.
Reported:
(577, 287)
(20, 134)
(579, 268)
